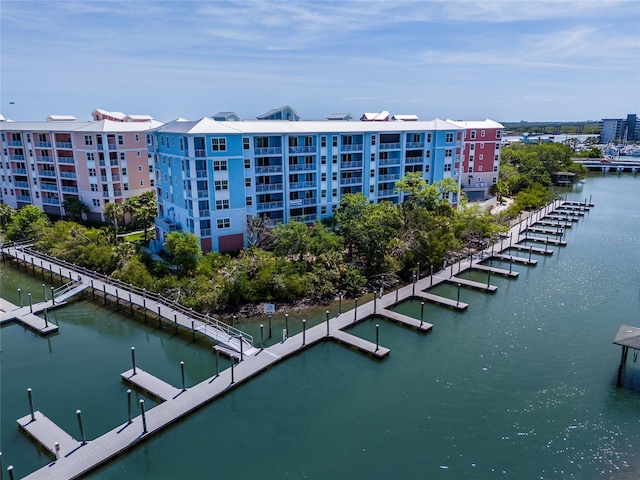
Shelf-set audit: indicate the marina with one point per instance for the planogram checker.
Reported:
(267, 356)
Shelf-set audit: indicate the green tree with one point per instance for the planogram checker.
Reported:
(114, 211)
(75, 208)
(6, 213)
(184, 247)
(143, 210)
(28, 223)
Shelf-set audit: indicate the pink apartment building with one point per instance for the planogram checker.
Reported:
(99, 161)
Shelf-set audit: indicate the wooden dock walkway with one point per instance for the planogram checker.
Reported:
(546, 231)
(564, 218)
(471, 284)
(178, 403)
(360, 344)
(515, 259)
(527, 248)
(554, 224)
(550, 241)
(47, 434)
(22, 315)
(150, 384)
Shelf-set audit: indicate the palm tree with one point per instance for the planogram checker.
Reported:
(6, 212)
(75, 208)
(113, 211)
(143, 209)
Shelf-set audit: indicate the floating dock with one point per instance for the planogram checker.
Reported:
(150, 384)
(47, 434)
(360, 344)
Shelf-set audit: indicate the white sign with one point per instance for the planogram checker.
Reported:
(269, 308)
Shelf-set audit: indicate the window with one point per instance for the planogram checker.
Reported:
(219, 164)
(245, 143)
(323, 177)
(323, 193)
(323, 160)
(248, 201)
(334, 192)
(94, 187)
(479, 168)
(137, 137)
(428, 153)
(120, 140)
(428, 138)
(482, 145)
(150, 168)
(96, 202)
(124, 172)
(448, 152)
(498, 133)
(334, 141)
(334, 176)
(426, 169)
(88, 140)
(92, 172)
(125, 186)
(470, 158)
(447, 167)
(222, 204)
(481, 156)
(142, 183)
(473, 134)
(139, 168)
(152, 182)
(137, 153)
(496, 158)
(221, 184)
(373, 139)
(373, 173)
(482, 133)
(449, 137)
(495, 168)
(334, 158)
(219, 144)
(323, 141)
(371, 189)
(122, 157)
(494, 180)
(224, 223)
(247, 182)
(247, 163)
(323, 210)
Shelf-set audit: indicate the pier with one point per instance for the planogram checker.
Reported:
(81, 457)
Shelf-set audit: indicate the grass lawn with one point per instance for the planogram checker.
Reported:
(135, 238)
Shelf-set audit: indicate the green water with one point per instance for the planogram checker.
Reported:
(521, 385)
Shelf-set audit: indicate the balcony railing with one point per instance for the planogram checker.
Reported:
(113, 163)
(389, 177)
(200, 153)
(14, 143)
(267, 151)
(205, 232)
(415, 144)
(386, 193)
(166, 225)
(269, 205)
(104, 179)
(19, 171)
(112, 146)
(389, 146)
(44, 159)
(68, 175)
(21, 184)
(350, 180)
(64, 145)
(302, 167)
(105, 193)
(352, 148)
(304, 218)
(303, 149)
(16, 157)
(102, 163)
(269, 169)
(117, 193)
(100, 146)
(413, 160)
(268, 187)
(203, 193)
(297, 202)
(43, 144)
(474, 185)
(48, 186)
(115, 178)
(201, 174)
(51, 201)
(389, 161)
(298, 185)
(70, 189)
(204, 213)
(23, 198)
(348, 165)
(67, 160)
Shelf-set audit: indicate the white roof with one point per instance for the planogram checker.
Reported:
(83, 126)
(276, 110)
(139, 118)
(61, 118)
(476, 123)
(405, 118)
(118, 115)
(207, 125)
(340, 116)
(2, 119)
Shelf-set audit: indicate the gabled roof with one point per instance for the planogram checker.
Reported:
(405, 118)
(341, 116)
(99, 114)
(226, 116)
(382, 116)
(138, 118)
(61, 118)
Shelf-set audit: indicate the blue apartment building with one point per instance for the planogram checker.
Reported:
(211, 176)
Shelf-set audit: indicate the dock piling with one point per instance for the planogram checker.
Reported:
(159, 317)
(421, 315)
(175, 323)
(340, 305)
(269, 325)
(488, 279)
(375, 296)
(193, 331)
(56, 448)
(31, 410)
(232, 363)
(261, 335)
(20, 296)
(184, 388)
(458, 301)
(530, 250)
(46, 319)
(104, 290)
(130, 305)
(233, 321)
(129, 419)
(355, 315)
(378, 335)
(304, 331)
(79, 415)
(44, 290)
(286, 323)
(217, 362)
(10, 471)
(30, 304)
(118, 300)
(414, 283)
(144, 418)
(133, 359)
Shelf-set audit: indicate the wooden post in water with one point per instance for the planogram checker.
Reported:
(130, 305)
(269, 325)
(29, 394)
(133, 359)
(458, 301)
(328, 322)
(129, 419)
(377, 336)
(104, 289)
(262, 336)
(286, 322)
(414, 284)
(184, 388)
(118, 299)
(79, 415)
(421, 314)
(144, 418)
(20, 296)
(30, 305)
(530, 250)
(623, 362)
(355, 312)
(175, 323)
(304, 331)
(93, 291)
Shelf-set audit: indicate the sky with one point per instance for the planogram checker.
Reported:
(507, 60)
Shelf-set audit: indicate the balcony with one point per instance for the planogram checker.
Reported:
(268, 187)
(19, 171)
(104, 179)
(166, 225)
(473, 186)
(352, 148)
(204, 213)
(43, 144)
(100, 146)
(389, 178)
(113, 163)
(302, 167)
(21, 184)
(305, 149)
(269, 169)
(203, 193)
(49, 187)
(67, 160)
(415, 145)
(117, 193)
(413, 160)
(304, 218)
(51, 201)
(64, 145)
(70, 189)
(205, 232)
(44, 159)
(389, 161)
(68, 175)
(297, 202)
(16, 157)
(14, 143)
(350, 180)
(389, 146)
(387, 193)
(350, 165)
(112, 146)
(23, 198)
(201, 174)
(105, 193)
(268, 151)
(269, 205)
(115, 178)
(200, 153)
(299, 185)
(102, 163)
